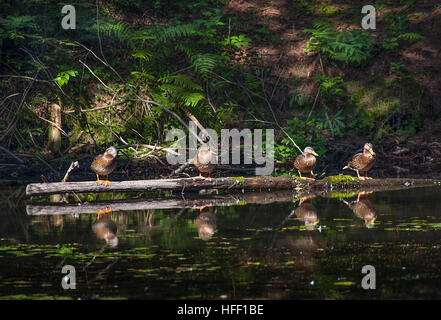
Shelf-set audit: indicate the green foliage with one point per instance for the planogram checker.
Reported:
(238, 41)
(349, 46)
(64, 76)
(178, 53)
(397, 24)
(304, 134)
(331, 87)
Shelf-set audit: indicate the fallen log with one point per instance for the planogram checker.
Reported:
(259, 183)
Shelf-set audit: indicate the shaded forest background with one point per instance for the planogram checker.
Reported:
(132, 70)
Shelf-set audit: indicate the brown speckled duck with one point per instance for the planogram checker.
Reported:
(305, 162)
(362, 161)
(104, 164)
(205, 160)
(363, 209)
(206, 223)
(307, 212)
(105, 228)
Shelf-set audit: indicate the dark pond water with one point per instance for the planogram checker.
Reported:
(300, 248)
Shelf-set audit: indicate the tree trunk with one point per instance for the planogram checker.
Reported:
(54, 142)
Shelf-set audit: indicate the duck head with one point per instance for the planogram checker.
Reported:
(309, 150)
(368, 148)
(111, 151)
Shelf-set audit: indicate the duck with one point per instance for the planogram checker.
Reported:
(307, 212)
(305, 162)
(362, 161)
(104, 164)
(105, 228)
(205, 161)
(363, 209)
(206, 222)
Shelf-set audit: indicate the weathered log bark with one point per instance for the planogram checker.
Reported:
(253, 183)
(259, 183)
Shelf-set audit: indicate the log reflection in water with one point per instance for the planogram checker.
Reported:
(169, 203)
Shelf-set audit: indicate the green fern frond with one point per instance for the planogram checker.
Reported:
(165, 33)
(192, 99)
(181, 95)
(142, 54)
(121, 31)
(181, 81)
(204, 63)
(411, 36)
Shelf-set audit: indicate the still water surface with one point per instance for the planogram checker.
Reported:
(307, 248)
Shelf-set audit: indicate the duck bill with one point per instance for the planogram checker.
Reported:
(315, 153)
(372, 152)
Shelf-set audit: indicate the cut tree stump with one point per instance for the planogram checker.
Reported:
(259, 183)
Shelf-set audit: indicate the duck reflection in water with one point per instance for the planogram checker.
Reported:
(363, 209)
(206, 222)
(307, 212)
(105, 228)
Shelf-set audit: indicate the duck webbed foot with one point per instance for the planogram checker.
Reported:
(365, 175)
(105, 211)
(98, 180)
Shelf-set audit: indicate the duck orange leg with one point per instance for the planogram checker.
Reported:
(107, 182)
(363, 193)
(105, 211)
(98, 179)
(300, 175)
(366, 177)
(203, 207)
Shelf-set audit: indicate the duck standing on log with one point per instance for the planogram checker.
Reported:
(205, 161)
(305, 162)
(362, 161)
(104, 164)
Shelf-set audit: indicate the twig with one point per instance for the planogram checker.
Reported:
(73, 165)
(90, 70)
(48, 165)
(313, 105)
(51, 122)
(154, 148)
(21, 77)
(100, 108)
(12, 155)
(330, 124)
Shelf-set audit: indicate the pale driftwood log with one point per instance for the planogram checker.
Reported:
(130, 205)
(254, 183)
(259, 183)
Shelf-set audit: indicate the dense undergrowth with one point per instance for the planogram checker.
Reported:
(198, 59)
